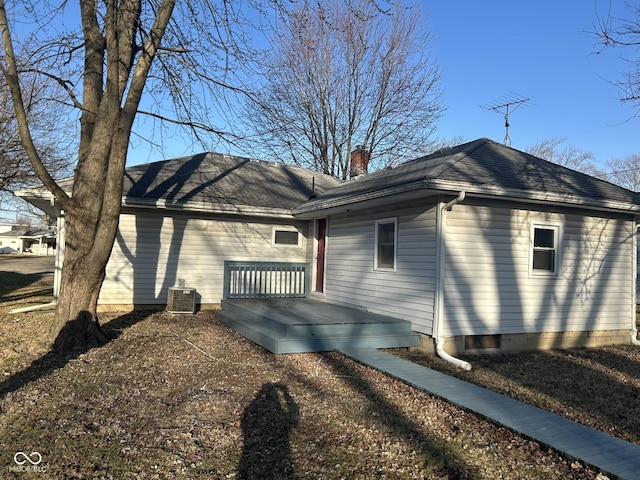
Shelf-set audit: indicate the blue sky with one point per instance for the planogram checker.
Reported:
(493, 51)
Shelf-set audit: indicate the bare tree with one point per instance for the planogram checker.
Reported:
(51, 134)
(442, 143)
(616, 32)
(555, 150)
(625, 172)
(15, 169)
(341, 75)
(104, 55)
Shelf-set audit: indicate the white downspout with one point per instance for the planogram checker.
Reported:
(634, 328)
(438, 329)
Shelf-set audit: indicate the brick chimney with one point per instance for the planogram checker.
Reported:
(359, 161)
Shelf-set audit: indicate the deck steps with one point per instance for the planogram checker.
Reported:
(304, 325)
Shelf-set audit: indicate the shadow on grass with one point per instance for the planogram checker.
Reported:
(439, 456)
(54, 360)
(267, 423)
(615, 361)
(12, 285)
(574, 378)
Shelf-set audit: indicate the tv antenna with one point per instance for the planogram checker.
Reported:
(507, 106)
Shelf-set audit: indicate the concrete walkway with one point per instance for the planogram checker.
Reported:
(610, 454)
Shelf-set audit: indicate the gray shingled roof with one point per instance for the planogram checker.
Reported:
(215, 180)
(222, 183)
(211, 182)
(483, 167)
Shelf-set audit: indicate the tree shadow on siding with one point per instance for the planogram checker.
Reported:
(153, 270)
(267, 423)
(55, 360)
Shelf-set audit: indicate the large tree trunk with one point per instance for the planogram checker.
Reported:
(93, 211)
(75, 326)
(115, 70)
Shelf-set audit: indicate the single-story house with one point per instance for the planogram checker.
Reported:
(21, 240)
(479, 246)
(10, 241)
(40, 242)
(181, 219)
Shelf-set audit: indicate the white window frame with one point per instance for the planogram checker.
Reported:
(557, 241)
(382, 221)
(285, 229)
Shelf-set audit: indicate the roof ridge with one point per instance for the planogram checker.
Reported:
(464, 150)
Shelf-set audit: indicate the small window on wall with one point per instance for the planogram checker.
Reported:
(386, 239)
(545, 250)
(286, 237)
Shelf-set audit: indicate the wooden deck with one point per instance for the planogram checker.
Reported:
(296, 325)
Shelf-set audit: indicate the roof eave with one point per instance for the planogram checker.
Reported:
(541, 197)
(206, 207)
(431, 187)
(44, 200)
(40, 198)
(365, 200)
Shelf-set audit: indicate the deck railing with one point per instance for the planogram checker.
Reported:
(265, 279)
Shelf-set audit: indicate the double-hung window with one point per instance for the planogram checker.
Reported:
(386, 244)
(544, 256)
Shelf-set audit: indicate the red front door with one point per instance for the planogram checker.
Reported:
(321, 235)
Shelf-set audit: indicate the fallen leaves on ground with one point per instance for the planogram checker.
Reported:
(182, 396)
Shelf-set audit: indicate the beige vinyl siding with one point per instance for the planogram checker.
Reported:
(153, 252)
(407, 292)
(489, 286)
(637, 262)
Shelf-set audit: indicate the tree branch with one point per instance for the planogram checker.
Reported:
(189, 124)
(63, 83)
(10, 72)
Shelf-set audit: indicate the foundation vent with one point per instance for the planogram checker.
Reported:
(482, 342)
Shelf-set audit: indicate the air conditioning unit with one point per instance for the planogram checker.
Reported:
(181, 300)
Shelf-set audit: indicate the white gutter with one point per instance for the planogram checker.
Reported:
(219, 208)
(438, 328)
(481, 191)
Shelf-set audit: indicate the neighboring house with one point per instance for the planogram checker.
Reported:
(10, 242)
(479, 246)
(20, 240)
(40, 242)
(5, 227)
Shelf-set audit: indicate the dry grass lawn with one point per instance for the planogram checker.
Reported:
(183, 397)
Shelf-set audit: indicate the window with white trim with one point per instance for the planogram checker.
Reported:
(386, 244)
(286, 237)
(544, 257)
